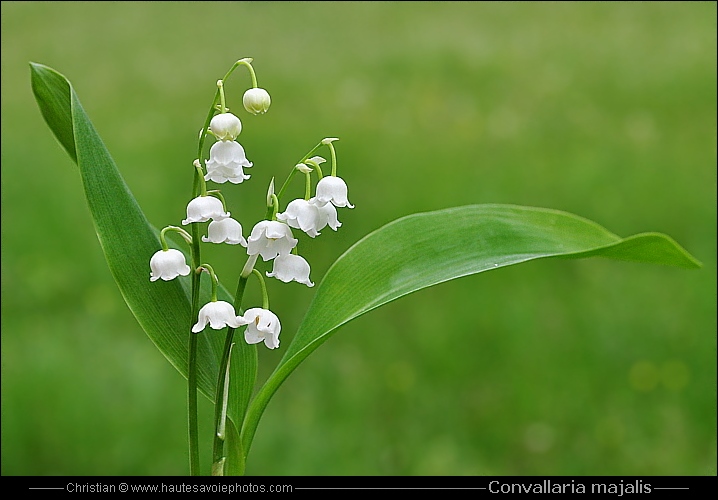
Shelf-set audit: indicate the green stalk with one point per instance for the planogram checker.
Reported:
(219, 437)
(192, 369)
(198, 187)
(294, 170)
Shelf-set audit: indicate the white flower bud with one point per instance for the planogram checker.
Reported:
(256, 101)
(225, 126)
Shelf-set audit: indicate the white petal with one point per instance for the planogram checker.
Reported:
(291, 267)
(333, 189)
(203, 208)
(168, 264)
(269, 239)
(225, 231)
(219, 314)
(262, 324)
(301, 214)
(256, 101)
(225, 126)
(226, 161)
(327, 215)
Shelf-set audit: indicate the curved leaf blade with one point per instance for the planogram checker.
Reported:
(128, 241)
(426, 249)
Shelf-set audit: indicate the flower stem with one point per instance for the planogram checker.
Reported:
(247, 61)
(334, 159)
(222, 104)
(317, 168)
(294, 170)
(179, 230)
(218, 194)
(308, 186)
(273, 209)
(219, 437)
(200, 174)
(215, 280)
(263, 285)
(192, 361)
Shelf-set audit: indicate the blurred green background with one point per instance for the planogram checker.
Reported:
(606, 110)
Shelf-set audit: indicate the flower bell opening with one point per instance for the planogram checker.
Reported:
(291, 268)
(227, 161)
(218, 314)
(225, 231)
(333, 190)
(204, 208)
(270, 239)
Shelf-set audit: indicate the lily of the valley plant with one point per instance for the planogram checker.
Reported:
(271, 239)
(212, 336)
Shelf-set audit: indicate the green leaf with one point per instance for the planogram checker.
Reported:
(52, 93)
(128, 241)
(425, 249)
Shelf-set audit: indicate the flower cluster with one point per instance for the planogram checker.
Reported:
(271, 239)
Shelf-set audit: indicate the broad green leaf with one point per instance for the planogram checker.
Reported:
(128, 241)
(425, 249)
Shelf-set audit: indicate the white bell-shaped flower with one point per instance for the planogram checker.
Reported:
(225, 231)
(225, 126)
(256, 101)
(218, 314)
(262, 325)
(226, 162)
(327, 215)
(269, 239)
(291, 267)
(332, 189)
(204, 208)
(300, 214)
(168, 264)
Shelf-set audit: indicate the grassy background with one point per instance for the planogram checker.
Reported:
(606, 110)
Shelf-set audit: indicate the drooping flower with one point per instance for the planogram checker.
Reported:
(168, 264)
(327, 215)
(256, 101)
(225, 231)
(262, 325)
(218, 314)
(226, 162)
(225, 126)
(300, 214)
(332, 189)
(291, 267)
(204, 208)
(270, 238)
